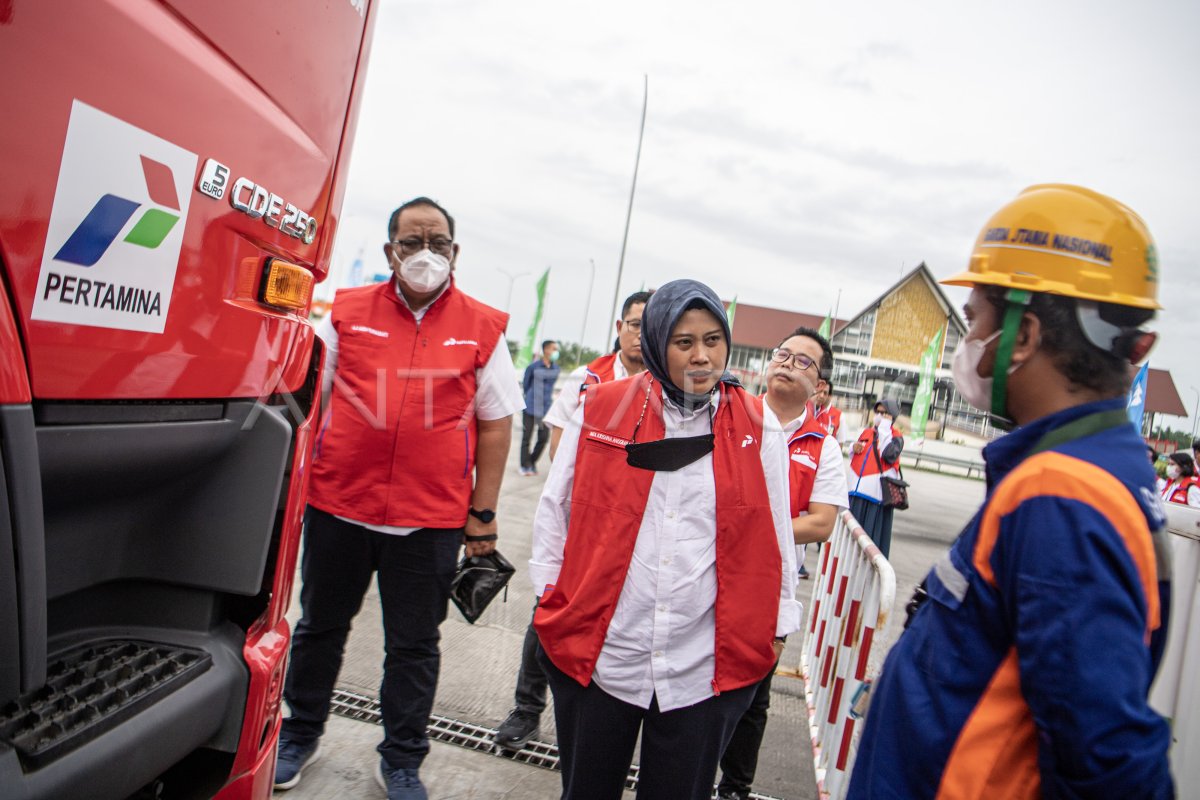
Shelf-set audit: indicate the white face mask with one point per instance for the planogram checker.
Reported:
(425, 271)
(1173, 472)
(965, 367)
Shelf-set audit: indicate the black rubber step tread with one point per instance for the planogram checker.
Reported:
(91, 689)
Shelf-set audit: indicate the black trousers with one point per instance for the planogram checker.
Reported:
(740, 761)
(530, 695)
(414, 574)
(680, 748)
(530, 423)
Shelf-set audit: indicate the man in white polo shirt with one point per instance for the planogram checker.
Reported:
(800, 368)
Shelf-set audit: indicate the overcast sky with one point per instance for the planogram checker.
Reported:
(792, 149)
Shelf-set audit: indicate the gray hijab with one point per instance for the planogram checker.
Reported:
(663, 311)
(890, 405)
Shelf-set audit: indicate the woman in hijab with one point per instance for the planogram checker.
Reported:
(876, 455)
(663, 557)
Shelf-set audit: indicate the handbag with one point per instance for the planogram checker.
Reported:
(893, 490)
(477, 582)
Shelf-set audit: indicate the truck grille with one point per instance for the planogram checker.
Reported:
(91, 689)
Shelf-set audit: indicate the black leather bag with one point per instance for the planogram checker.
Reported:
(895, 493)
(477, 582)
(894, 490)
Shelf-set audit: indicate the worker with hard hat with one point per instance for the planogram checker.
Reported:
(1031, 645)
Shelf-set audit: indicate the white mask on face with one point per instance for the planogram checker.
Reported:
(425, 271)
(965, 367)
(1173, 472)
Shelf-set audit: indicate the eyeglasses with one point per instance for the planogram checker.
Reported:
(415, 244)
(634, 325)
(781, 356)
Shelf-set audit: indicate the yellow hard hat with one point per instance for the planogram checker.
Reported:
(1069, 241)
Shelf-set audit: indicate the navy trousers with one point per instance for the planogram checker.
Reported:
(414, 574)
(680, 748)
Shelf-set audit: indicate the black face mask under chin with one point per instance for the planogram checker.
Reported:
(667, 455)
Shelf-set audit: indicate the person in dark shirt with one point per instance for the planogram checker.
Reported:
(538, 385)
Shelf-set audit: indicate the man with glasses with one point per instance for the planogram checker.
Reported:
(420, 393)
(524, 721)
(800, 368)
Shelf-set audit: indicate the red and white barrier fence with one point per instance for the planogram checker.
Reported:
(851, 601)
(1176, 690)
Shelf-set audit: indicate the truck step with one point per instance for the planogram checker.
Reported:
(91, 689)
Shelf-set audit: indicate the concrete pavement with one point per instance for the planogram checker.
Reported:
(480, 662)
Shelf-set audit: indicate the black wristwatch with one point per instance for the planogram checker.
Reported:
(485, 515)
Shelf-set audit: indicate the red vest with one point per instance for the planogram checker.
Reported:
(804, 456)
(866, 466)
(830, 417)
(1178, 492)
(397, 446)
(600, 370)
(608, 500)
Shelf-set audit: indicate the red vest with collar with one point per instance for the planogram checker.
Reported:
(829, 417)
(804, 457)
(397, 446)
(600, 370)
(1178, 492)
(608, 500)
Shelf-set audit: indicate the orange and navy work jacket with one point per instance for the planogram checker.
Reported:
(1026, 671)
(397, 446)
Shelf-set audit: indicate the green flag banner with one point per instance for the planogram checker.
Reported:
(729, 312)
(827, 325)
(525, 354)
(929, 362)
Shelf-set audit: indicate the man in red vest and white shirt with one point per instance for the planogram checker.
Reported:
(800, 368)
(623, 361)
(407, 466)
(825, 412)
(529, 699)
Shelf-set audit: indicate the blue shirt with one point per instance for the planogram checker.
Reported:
(538, 385)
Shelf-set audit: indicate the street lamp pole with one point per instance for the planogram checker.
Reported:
(586, 305)
(1195, 412)
(512, 278)
(632, 188)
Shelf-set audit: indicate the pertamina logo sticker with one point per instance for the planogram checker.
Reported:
(116, 228)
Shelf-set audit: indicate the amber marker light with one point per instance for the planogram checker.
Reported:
(286, 285)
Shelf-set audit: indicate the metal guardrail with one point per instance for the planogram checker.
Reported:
(851, 602)
(914, 459)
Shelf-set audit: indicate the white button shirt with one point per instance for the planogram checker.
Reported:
(829, 484)
(662, 634)
(570, 397)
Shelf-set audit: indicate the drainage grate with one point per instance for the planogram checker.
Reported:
(90, 690)
(471, 736)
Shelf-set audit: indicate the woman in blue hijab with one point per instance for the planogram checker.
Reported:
(664, 561)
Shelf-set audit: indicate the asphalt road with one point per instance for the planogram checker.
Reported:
(480, 662)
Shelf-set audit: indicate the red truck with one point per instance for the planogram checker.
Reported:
(172, 175)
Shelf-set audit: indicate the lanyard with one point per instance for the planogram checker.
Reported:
(1096, 422)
